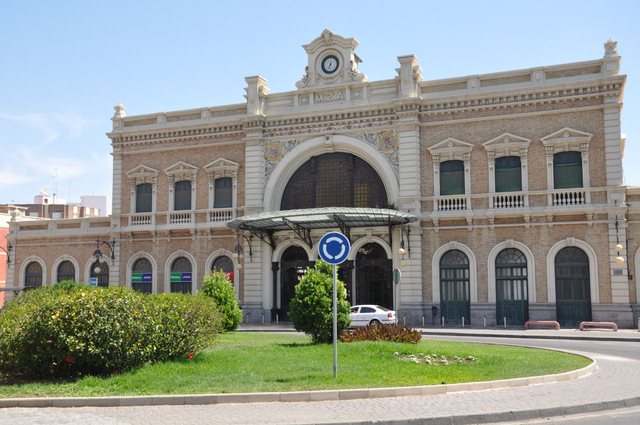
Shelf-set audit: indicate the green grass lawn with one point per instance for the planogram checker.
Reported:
(247, 362)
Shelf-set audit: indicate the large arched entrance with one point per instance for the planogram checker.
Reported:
(293, 264)
(374, 283)
(334, 180)
(573, 291)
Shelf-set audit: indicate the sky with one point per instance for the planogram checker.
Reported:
(66, 64)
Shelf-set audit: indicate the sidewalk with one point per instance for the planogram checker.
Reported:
(595, 334)
(614, 384)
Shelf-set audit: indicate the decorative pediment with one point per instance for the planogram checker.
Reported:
(182, 171)
(143, 174)
(507, 144)
(222, 168)
(331, 60)
(450, 149)
(567, 139)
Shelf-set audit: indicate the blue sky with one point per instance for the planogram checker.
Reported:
(66, 64)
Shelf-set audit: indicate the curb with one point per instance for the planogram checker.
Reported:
(296, 396)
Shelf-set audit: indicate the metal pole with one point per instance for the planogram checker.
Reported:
(335, 322)
(463, 321)
(484, 321)
(505, 322)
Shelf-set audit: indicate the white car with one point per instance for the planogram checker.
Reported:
(363, 315)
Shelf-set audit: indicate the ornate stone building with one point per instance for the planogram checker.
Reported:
(498, 196)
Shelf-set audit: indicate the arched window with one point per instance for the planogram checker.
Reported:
(142, 276)
(181, 276)
(102, 275)
(455, 292)
(224, 264)
(144, 192)
(511, 287)
(66, 271)
(33, 275)
(567, 170)
(334, 180)
(182, 195)
(374, 282)
(508, 174)
(452, 178)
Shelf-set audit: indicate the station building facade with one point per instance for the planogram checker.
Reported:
(499, 197)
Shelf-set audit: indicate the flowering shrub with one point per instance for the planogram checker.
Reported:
(68, 330)
(218, 287)
(312, 308)
(382, 332)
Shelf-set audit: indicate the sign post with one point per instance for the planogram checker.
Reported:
(334, 248)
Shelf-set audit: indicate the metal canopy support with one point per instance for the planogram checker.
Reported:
(265, 236)
(303, 232)
(344, 228)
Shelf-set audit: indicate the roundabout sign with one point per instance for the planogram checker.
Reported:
(334, 248)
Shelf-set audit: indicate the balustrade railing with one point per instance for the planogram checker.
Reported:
(568, 197)
(141, 219)
(508, 200)
(451, 203)
(180, 217)
(220, 215)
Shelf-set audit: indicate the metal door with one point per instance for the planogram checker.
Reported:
(573, 291)
(512, 300)
(374, 283)
(455, 292)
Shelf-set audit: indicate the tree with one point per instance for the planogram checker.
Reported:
(218, 287)
(312, 308)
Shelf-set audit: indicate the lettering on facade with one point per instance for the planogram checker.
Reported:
(328, 97)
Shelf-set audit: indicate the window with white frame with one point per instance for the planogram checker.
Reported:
(182, 186)
(453, 158)
(507, 162)
(567, 159)
(143, 182)
(223, 182)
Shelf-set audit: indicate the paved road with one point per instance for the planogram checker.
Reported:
(615, 384)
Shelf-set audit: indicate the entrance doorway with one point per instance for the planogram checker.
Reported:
(512, 289)
(455, 293)
(573, 290)
(293, 264)
(374, 283)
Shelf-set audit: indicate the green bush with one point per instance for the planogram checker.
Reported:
(218, 287)
(312, 308)
(184, 324)
(382, 332)
(66, 331)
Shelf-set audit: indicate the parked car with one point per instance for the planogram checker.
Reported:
(363, 315)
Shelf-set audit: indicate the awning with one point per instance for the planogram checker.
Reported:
(302, 221)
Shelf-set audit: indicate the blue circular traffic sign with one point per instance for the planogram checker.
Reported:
(334, 248)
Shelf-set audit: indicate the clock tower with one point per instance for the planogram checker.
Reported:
(331, 61)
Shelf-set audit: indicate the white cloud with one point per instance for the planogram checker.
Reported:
(37, 121)
(11, 178)
(75, 123)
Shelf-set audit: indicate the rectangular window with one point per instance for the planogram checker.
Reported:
(182, 195)
(143, 197)
(223, 195)
(567, 170)
(508, 174)
(451, 178)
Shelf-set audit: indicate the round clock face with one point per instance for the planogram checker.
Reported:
(330, 64)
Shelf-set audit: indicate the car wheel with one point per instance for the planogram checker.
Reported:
(374, 322)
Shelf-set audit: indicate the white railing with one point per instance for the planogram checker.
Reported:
(451, 203)
(142, 219)
(567, 197)
(508, 200)
(180, 217)
(220, 215)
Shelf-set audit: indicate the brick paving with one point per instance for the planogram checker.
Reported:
(615, 384)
